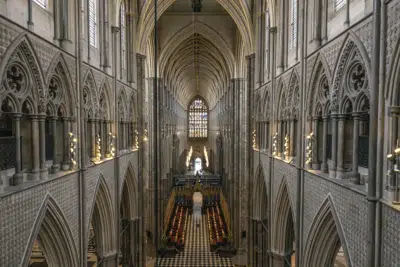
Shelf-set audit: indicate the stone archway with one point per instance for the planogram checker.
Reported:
(284, 232)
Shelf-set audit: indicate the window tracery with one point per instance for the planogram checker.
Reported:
(198, 119)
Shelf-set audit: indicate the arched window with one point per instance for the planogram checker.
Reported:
(198, 118)
(122, 41)
(42, 3)
(294, 23)
(267, 47)
(339, 4)
(93, 22)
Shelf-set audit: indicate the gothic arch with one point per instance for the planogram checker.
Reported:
(89, 91)
(282, 100)
(320, 69)
(284, 231)
(58, 74)
(56, 239)
(392, 92)
(104, 108)
(352, 51)
(21, 62)
(259, 194)
(325, 237)
(122, 110)
(102, 218)
(129, 193)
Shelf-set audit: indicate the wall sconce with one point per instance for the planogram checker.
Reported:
(189, 157)
(72, 148)
(146, 135)
(112, 145)
(98, 148)
(136, 140)
(206, 155)
(309, 148)
(275, 145)
(393, 172)
(254, 139)
(286, 145)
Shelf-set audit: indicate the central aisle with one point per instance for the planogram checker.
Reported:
(197, 249)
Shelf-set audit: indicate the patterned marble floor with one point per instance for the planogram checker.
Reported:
(197, 250)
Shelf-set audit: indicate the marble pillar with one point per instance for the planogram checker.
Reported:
(355, 175)
(65, 165)
(56, 166)
(340, 170)
(324, 165)
(18, 175)
(332, 169)
(42, 145)
(35, 172)
(315, 161)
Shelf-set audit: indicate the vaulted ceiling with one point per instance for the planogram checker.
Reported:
(197, 51)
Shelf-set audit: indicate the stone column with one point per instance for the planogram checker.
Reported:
(65, 165)
(315, 162)
(93, 132)
(324, 165)
(18, 176)
(340, 147)
(108, 138)
(42, 145)
(35, 148)
(355, 175)
(291, 138)
(332, 170)
(56, 166)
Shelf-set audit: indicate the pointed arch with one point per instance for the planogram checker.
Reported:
(21, 54)
(352, 47)
(59, 67)
(325, 238)
(102, 218)
(105, 100)
(284, 230)
(259, 194)
(129, 193)
(392, 92)
(90, 87)
(320, 69)
(55, 236)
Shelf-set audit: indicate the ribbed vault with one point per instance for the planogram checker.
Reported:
(197, 63)
(238, 10)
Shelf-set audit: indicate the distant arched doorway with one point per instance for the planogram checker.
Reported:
(198, 165)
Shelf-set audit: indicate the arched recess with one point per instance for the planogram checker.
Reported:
(392, 92)
(352, 51)
(326, 238)
(21, 55)
(129, 194)
(283, 226)
(101, 235)
(130, 237)
(259, 195)
(259, 220)
(59, 67)
(54, 236)
(320, 68)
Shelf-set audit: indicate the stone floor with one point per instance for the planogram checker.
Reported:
(197, 249)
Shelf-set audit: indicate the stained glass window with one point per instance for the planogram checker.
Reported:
(122, 26)
(198, 119)
(42, 3)
(92, 22)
